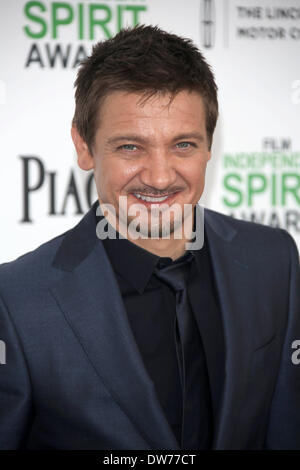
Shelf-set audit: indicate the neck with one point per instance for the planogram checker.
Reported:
(171, 248)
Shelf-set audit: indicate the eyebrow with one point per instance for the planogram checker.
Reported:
(142, 140)
(120, 138)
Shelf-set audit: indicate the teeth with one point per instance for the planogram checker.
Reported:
(151, 199)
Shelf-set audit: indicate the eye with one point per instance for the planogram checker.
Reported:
(185, 145)
(130, 147)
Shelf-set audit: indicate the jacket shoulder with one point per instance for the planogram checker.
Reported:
(253, 235)
(34, 271)
(32, 268)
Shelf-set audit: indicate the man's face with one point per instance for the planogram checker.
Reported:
(152, 149)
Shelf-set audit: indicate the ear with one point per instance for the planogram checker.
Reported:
(85, 159)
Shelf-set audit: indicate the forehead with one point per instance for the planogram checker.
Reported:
(122, 109)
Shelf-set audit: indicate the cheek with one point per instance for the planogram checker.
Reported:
(128, 170)
(114, 174)
(194, 173)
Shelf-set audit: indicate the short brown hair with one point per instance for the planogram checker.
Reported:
(142, 59)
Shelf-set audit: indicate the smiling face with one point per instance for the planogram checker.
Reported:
(153, 152)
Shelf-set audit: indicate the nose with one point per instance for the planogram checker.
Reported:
(159, 171)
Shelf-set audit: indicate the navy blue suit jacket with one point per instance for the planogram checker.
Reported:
(74, 377)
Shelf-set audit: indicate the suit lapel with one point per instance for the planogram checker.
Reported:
(209, 323)
(89, 297)
(231, 271)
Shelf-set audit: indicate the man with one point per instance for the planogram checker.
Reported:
(149, 342)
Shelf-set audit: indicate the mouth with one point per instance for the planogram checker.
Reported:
(149, 200)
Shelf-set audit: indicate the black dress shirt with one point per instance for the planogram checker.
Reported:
(150, 306)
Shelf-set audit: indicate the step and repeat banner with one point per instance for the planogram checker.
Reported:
(254, 49)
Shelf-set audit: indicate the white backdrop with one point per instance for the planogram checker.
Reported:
(253, 47)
